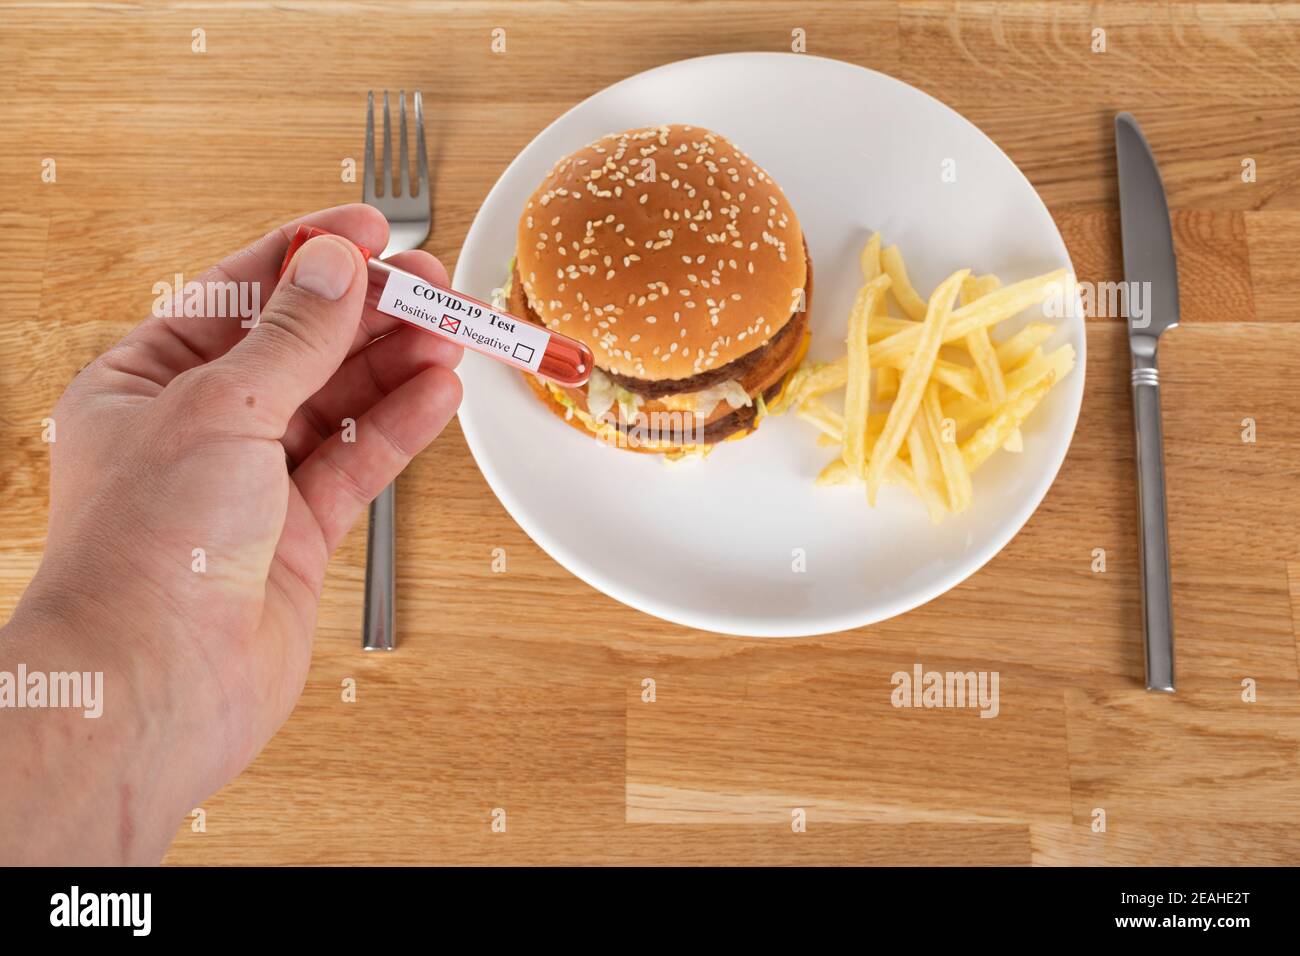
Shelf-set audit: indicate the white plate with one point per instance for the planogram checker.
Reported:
(715, 544)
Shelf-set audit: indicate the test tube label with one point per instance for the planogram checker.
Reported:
(464, 320)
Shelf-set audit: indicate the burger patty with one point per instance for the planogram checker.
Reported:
(736, 369)
(739, 418)
(659, 388)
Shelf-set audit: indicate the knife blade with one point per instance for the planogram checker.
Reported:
(1151, 285)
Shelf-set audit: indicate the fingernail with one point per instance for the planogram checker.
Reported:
(324, 266)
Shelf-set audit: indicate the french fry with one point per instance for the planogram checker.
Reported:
(912, 381)
(857, 394)
(882, 313)
(923, 469)
(831, 423)
(955, 477)
(966, 413)
(983, 312)
(1003, 303)
(963, 380)
(809, 381)
(917, 366)
(896, 349)
(984, 355)
(993, 433)
(891, 260)
(883, 325)
(833, 375)
(870, 258)
(886, 383)
(822, 417)
(980, 346)
(1017, 348)
(826, 378)
(838, 473)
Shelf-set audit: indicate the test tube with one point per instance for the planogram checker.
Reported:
(467, 321)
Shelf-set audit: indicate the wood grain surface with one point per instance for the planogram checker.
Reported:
(523, 690)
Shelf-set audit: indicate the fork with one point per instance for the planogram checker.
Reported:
(410, 217)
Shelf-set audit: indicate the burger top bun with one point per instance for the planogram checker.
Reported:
(665, 249)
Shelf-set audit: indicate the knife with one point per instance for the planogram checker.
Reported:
(1149, 264)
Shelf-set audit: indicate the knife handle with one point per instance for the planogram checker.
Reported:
(377, 631)
(1153, 528)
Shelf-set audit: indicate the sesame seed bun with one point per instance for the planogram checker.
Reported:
(665, 249)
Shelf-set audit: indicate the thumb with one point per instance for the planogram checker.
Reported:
(305, 329)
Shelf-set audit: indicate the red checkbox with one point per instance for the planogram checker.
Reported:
(450, 324)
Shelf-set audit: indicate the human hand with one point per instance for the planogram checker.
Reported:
(199, 482)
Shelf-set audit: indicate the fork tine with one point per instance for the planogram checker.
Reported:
(388, 166)
(421, 160)
(401, 150)
(368, 186)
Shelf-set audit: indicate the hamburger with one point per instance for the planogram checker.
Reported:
(681, 264)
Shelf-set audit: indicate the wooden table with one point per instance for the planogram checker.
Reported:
(522, 690)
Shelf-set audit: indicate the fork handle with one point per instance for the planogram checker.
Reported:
(1153, 527)
(377, 632)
